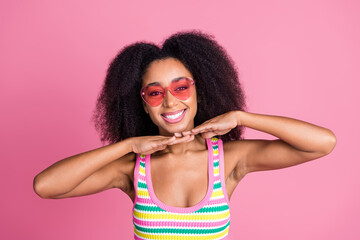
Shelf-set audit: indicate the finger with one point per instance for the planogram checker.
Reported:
(162, 147)
(203, 126)
(202, 129)
(180, 140)
(196, 130)
(177, 135)
(171, 138)
(186, 133)
(154, 147)
(168, 140)
(192, 137)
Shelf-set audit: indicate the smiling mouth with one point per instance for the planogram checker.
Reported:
(174, 118)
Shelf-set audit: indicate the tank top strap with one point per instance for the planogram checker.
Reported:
(219, 170)
(214, 157)
(140, 186)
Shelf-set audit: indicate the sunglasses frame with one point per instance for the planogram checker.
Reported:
(142, 92)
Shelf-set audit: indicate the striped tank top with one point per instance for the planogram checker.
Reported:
(209, 219)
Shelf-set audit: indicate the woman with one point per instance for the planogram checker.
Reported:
(182, 107)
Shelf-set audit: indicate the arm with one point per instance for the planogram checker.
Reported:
(106, 167)
(63, 178)
(298, 141)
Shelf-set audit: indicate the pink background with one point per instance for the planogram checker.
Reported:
(295, 58)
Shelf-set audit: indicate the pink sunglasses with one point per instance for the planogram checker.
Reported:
(181, 88)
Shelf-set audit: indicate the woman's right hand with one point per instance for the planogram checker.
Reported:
(151, 144)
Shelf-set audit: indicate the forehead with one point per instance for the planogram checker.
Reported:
(165, 70)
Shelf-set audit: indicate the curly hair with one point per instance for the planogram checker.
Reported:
(119, 112)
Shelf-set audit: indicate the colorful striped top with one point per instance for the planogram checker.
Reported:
(209, 219)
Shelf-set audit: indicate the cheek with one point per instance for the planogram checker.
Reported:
(153, 114)
(153, 119)
(194, 104)
(195, 99)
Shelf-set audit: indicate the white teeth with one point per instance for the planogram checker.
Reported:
(175, 115)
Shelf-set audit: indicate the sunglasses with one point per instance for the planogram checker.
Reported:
(181, 88)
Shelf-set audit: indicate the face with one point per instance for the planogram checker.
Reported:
(172, 115)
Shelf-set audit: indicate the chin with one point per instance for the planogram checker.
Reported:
(175, 128)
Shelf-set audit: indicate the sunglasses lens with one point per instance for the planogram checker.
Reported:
(179, 88)
(153, 95)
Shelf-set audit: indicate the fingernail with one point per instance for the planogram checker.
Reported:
(177, 134)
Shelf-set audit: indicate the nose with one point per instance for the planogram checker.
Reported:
(169, 100)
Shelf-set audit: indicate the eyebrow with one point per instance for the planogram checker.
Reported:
(157, 83)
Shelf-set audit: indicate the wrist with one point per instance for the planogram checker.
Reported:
(129, 142)
(239, 117)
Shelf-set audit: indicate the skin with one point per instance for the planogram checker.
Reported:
(179, 154)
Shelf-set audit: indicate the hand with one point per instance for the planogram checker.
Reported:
(218, 125)
(151, 144)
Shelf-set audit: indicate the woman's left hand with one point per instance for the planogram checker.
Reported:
(218, 125)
